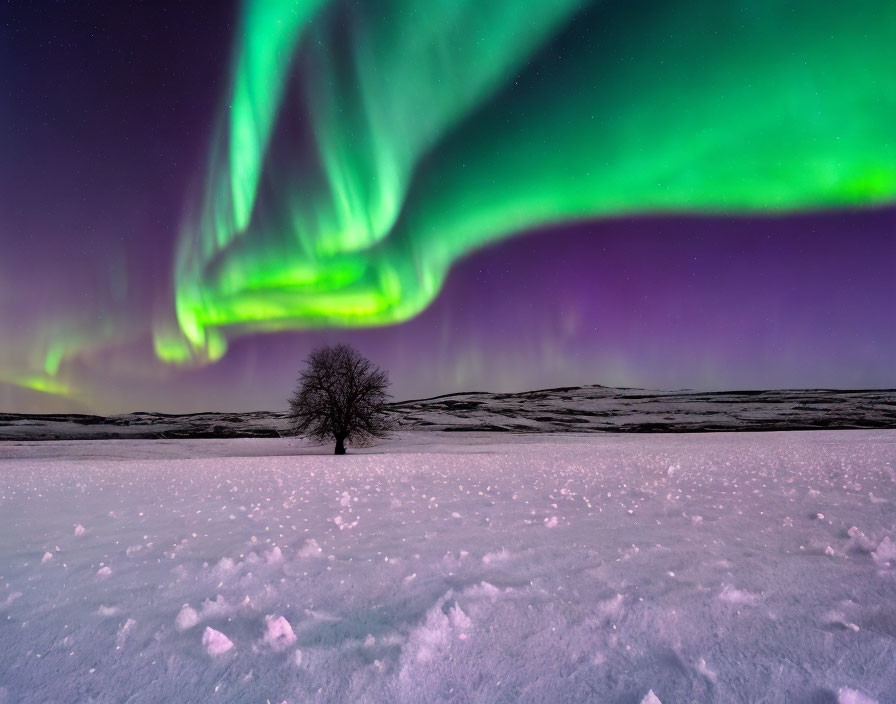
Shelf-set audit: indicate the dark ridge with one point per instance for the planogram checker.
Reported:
(435, 398)
(586, 409)
(81, 418)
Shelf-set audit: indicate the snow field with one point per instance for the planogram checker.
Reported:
(636, 568)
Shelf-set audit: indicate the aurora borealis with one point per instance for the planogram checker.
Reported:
(658, 193)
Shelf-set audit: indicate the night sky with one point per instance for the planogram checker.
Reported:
(479, 194)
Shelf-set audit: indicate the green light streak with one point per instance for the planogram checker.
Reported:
(39, 382)
(417, 132)
(268, 35)
(53, 357)
(45, 384)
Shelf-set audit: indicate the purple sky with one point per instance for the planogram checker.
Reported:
(706, 303)
(106, 112)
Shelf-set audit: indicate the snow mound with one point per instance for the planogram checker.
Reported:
(459, 620)
(838, 618)
(215, 609)
(310, 549)
(610, 608)
(431, 639)
(501, 555)
(215, 642)
(225, 566)
(186, 618)
(851, 696)
(123, 632)
(885, 554)
(485, 590)
(279, 634)
(858, 541)
(731, 595)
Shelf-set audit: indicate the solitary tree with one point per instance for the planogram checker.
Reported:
(341, 396)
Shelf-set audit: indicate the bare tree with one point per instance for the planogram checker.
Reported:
(341, 396)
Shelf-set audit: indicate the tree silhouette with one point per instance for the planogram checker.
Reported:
(342, 396)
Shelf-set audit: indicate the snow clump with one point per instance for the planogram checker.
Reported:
(215, 642)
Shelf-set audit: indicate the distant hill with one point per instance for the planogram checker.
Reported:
(567, 409)
(600, 408)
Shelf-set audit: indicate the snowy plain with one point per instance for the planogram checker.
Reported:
(741, 567)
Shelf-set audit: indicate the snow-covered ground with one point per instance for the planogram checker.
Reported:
(702, 568)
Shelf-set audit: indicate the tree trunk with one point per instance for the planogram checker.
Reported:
(340, 446)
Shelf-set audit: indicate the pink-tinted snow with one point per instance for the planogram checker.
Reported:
(473, 568)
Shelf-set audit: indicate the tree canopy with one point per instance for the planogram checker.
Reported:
(342, 396)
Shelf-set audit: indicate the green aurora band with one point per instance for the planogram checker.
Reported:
(365, 147)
